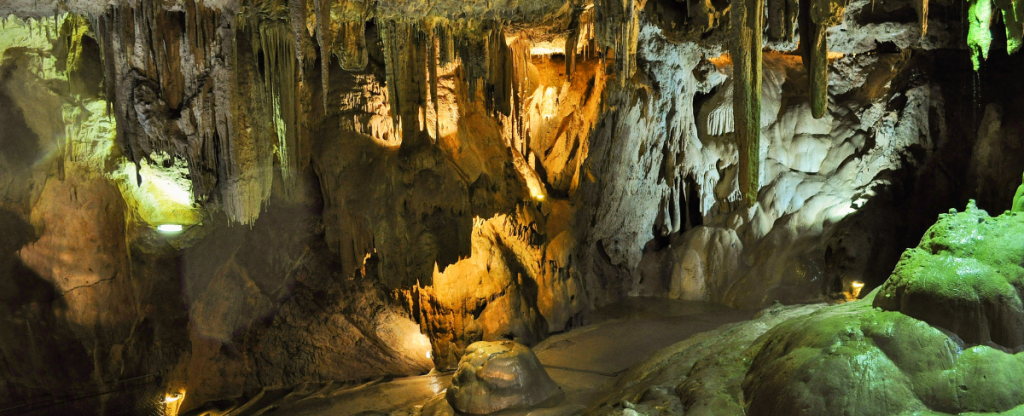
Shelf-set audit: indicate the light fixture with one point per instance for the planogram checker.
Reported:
(430, 355)
(169, 228)
(172, 398)
(855, 288)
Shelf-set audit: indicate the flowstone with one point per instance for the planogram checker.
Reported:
(965, 277)
(938, 336)
(941, 336)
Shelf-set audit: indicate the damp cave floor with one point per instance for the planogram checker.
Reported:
(583, 361)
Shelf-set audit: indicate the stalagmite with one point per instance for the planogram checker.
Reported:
(746, 55)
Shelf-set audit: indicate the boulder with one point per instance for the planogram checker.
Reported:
(494, 376)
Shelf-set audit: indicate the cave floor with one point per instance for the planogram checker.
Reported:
(581, 361)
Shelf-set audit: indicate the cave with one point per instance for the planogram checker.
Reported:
(511, 207)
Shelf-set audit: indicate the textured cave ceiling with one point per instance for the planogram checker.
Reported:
(365, 189)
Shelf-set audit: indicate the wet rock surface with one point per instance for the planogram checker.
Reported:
(884, 354)
(499, 375)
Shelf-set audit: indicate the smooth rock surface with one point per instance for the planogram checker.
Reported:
(500, 375)
(965, 277)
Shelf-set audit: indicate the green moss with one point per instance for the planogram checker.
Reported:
(939, 337)
(1018, 199)
(979, 38)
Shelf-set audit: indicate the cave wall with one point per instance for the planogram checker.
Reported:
(365, 196)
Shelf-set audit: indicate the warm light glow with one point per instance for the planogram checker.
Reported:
(430, 355)
(170, 228)
(855, 288)
(172, 403)
(538, 197)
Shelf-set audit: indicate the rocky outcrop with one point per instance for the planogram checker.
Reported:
(939, 337)
(495, 376)
(966, 278)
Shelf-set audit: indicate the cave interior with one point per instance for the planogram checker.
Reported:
(511, 207)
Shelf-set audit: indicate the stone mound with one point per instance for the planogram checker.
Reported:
(494, 376)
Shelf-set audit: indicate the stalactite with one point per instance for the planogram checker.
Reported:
(921, 7)
(1013, 18)
(446, 44)
(275, 41)
(474, 63)
(297, 20)
(249, 152)
(617, 24)
(499, 80)
(571, 45)
(324, 38)
(406, 73)
(746, 68)
(158, 71)
(432, 72)
(353, 56)
(520, 53)
(782, 15)
(819, 15)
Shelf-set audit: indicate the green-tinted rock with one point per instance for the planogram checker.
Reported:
(1018, 199)
(965, 277)
(937, 338)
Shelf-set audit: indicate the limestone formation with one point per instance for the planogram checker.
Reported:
(940, 337)
(227, 198)
(965, 277)
(495, 376)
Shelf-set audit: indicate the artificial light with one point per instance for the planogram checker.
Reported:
(172, 398)
(169, 228)
(855, 287)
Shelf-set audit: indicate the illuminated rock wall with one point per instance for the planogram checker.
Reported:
(368, 191)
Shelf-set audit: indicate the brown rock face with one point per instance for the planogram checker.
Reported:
(495, 376)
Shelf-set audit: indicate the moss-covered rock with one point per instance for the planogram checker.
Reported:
(938, 337)
(965, 277)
